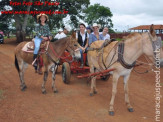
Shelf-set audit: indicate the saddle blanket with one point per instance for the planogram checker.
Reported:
(29, 47)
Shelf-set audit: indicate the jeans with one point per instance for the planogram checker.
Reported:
(81, 52)
(37, 42)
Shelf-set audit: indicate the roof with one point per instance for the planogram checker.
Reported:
(147, 27)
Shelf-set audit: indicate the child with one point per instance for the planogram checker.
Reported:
(42, 33)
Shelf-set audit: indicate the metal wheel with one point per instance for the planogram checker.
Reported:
(66, 73)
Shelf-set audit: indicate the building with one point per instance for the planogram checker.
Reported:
(145, 28)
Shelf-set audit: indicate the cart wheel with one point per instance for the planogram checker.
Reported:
(105, 78)
(66, 73)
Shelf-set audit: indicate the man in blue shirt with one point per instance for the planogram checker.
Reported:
(95, 35)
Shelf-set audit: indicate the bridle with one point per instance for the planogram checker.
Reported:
(154, 44)
(60, 57)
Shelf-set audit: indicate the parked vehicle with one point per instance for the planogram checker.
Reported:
(1, 39)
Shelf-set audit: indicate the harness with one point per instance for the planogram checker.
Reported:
(121, 59)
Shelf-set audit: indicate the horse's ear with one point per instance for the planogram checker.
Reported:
(152, 30)
(73, 34)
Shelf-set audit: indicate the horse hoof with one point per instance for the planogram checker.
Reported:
(44, 92)
(111, 113)
(130, 109)
(23, 89)
(56, 91)
(95, 92)
(91, 94)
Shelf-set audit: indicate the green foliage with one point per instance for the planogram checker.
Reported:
(74, 8)
(98, 14)
(118, 39)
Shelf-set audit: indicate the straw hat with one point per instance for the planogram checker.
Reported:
(38, 17)
(96, 25)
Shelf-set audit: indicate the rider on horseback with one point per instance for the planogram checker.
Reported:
(42, 33)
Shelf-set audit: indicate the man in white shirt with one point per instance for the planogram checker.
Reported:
(58, 34)
(64, 33)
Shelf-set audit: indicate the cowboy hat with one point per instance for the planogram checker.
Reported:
(60, 30)
(67, 28)
(96, 25)
(38, 17)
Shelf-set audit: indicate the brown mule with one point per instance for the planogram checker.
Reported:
(50, 57)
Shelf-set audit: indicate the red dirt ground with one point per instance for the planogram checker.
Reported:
(72, 103)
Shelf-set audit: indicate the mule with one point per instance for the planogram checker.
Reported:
(112, 57)
(50, 57)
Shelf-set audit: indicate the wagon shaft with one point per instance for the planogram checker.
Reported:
(97, 73)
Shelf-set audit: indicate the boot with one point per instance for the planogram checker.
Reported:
(40, 71)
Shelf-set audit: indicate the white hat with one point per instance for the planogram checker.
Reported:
(96, 25)
(60, 30)
(67, 28)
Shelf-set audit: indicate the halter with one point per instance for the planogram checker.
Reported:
(154, 44)
(57, 56)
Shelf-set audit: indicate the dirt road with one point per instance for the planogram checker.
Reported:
(72, 103)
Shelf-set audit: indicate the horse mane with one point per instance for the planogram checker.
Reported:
(60, 40)
(131, 37)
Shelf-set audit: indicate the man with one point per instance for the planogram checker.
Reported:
(64, 33)
(105, 34)
(58, 34)
(95, 35)
(89, 30)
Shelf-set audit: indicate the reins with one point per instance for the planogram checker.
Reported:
(57, 56)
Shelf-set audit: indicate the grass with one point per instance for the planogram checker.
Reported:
(1, 94)
(118, 39)
(10, 37)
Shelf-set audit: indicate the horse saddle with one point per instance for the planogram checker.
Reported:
(30, 46)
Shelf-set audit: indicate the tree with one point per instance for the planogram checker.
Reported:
(98, 14)
(74, 8)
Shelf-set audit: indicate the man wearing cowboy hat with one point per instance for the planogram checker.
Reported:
(64, 33)
(95, 35)
(57, 36)
(42, 33)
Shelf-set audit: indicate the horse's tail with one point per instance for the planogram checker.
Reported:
(16, 64)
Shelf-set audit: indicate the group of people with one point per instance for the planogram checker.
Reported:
(84, 36)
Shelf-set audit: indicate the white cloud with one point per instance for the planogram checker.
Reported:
(131, 13)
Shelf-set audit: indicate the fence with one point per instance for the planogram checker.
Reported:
(121, 35)
(118, 35)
